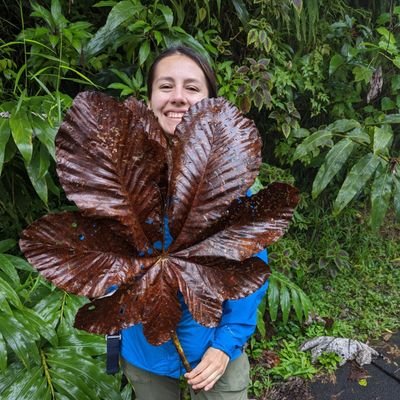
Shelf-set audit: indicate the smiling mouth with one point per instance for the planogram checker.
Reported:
(175, 115)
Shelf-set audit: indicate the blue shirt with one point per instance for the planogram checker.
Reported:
(238, 322)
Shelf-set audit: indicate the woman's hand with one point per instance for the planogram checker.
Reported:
(211, 367)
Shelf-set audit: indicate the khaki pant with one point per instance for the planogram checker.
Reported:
(231, 386)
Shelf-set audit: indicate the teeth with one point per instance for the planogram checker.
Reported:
(175, 114)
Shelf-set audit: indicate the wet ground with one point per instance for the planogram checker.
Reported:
(379, 380)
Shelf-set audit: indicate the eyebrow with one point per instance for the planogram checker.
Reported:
(170, 79)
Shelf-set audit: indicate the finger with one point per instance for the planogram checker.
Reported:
(209, 382)
(199, 369)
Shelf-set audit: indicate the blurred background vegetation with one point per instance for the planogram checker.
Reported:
(320, 79)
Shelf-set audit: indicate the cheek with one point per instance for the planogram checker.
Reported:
(197, 98)
(156, 102)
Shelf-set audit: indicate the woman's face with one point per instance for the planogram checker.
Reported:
(178, 83)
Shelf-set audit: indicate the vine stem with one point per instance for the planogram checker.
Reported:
(181, 353)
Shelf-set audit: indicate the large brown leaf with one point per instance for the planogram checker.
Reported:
(150, 299)
(112, 161)
(205, 285)
(216, 154)
(249, 225)
(109, 167)
(80, 254)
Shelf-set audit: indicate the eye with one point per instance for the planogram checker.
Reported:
(165, 86)
(192, 88)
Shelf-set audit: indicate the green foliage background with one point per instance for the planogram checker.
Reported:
(322, 82)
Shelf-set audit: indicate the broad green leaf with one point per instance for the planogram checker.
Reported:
(362, 73)
(30, 385)
(179, 9)
(21, 130)
(312, 142)
(3, 354)
(336, 61)
(7, 244)
(139, 27)
(18, 262)
(64, 381)
(71, 305)
(4, 136)
(201, 15)
(120, 86)
(144, 52)
(35, 322)
(395, 83)
(44, 164)
(45, 133)
(123, 76)
(90, 370)
(51, 185)
(334, 161)
(241, 11)
(285, 303)
(178, 35)
(359, 135)
(356, 180)
(8, 293)
(260, 317)
(306, 303)
(10, 375)
(297, 304)
(261, 324)
(56, 11)
(389, 37)
(387, 104)
(252, 36)
(273, 297)
(168, 14)
(39, 183)
(35, 168)
(391, 119)
(343, 125)
(9, 269)
(5, 307)
(380, 195)
(80, 342)
(396, 59)
(126, 393)
(383, 137)
(18, 339)
(122, 12)
(50, 307)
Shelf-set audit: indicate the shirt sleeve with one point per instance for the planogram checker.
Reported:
(239, 319)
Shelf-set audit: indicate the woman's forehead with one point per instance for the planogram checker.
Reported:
(176, 64)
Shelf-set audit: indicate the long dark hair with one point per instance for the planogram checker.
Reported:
(194, 56)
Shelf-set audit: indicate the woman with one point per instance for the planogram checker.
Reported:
(179, 78)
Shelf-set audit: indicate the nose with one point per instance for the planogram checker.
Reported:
(178, 96)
